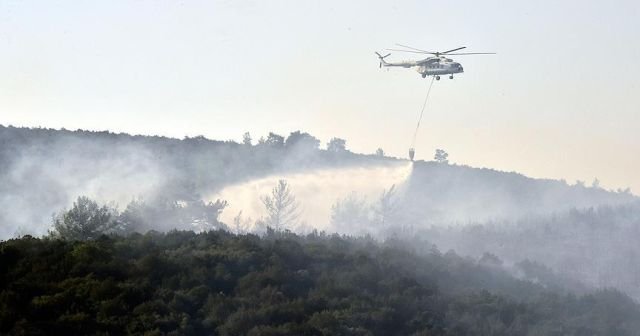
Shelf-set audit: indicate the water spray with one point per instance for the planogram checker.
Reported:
(317, 191)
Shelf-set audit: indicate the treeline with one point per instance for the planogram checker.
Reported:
(88, 220)
(229, 160)
(43, 170)
(218, 283)
(596, 246)
(445, 193)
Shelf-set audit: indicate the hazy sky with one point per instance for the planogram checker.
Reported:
(559, 100)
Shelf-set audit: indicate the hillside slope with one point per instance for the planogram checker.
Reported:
(217, 283)
(445, 193)
(42, 171)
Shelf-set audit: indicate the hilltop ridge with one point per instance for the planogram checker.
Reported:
(43, 170)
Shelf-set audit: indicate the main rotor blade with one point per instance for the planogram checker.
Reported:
(448, 51)
(457, 54)
(416, 49)
(411, 51)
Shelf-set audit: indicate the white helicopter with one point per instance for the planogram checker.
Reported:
(437, 65)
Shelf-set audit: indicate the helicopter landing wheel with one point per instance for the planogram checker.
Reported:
(424, 75)
(437, 77)
(450, 76)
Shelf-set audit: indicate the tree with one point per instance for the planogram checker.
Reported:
(386, 207)
(246, 139)
(441, 156)
(204, 216)
(380, 152)
(350, 214)
(241, 225)
(624, 191)
(165, 214)
(85, 220)
(336, 145)
(490, 259)
(302, 140)
(136, 216)
(275, 140)
(281, 206)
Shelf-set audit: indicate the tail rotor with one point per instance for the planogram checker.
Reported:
(382, 61)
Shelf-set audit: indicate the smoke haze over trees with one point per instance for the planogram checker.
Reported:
(281, 284)
(44, 171)
(460, 238)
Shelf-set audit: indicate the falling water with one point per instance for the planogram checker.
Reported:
(315, 191)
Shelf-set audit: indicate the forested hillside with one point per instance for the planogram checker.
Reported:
(217, 283)
(42, 171)
(524, 256)
(446, 193)
(596, 246)
(319, 168)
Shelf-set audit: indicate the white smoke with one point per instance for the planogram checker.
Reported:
(39, 183)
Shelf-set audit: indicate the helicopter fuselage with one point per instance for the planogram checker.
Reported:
(431, 66)
(442, 66)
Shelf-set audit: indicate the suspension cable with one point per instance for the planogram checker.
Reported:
(424, 105)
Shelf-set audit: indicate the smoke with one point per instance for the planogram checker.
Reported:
(43, 171)
(594, 246)
(512, 216)
(316, 191)
(40, 181)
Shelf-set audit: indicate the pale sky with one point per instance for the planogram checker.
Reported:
(559, 100)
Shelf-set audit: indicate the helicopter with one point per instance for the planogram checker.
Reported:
(437, 65)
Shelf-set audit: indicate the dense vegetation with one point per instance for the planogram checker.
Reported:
(103, 269)
(43, 170)
(593, 245)
(280, 284)
(444, 193)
